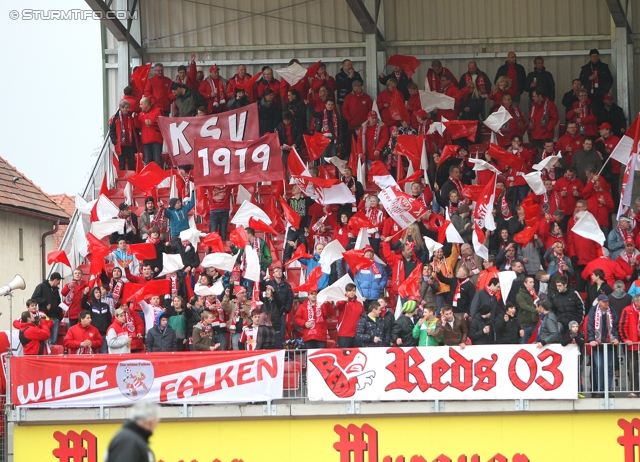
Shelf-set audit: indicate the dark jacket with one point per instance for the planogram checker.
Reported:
(527, 312)
(568, 306)
(521, 73)
(507, 332)
(131, 443)
(101, 317)
(266, 338)
(614, 116)
(296, 134)
(299, 111)
(368, 328)
(344, 84)
(569, 338)
(161, 340)
(549, 329)
(131, 237)
(544, 83)
(605, 79)
(476, 334)
(403, 328)
(187, 105)
(285, 294)
(568, 99)
(482, 297)
(273, 306)
(593, 291)
(403, 81)
(467, 291)
(429, 290)
(270, 116)
(454, 336)
(44, 294)
(613, 334)
(189, 257)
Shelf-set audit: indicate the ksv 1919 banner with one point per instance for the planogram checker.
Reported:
(118, 380)
(480, 372)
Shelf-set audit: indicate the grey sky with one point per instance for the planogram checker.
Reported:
(52, 82)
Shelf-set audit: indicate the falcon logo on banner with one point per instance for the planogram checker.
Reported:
(234, 162)
(402, 207)
(180, 133)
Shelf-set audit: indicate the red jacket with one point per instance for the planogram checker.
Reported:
(158, 90)
(391, 228)
(192, 77)
(628, 326)
(517, 124)
(536, 130)
(627, 268)
(450, 114)
(371, 147)
(130, 133)
(216, 102)
(610, 143)
(564, 185)
(600, 211)
(33, 338)
(319, 330)
(302, 86)
(349, 314)
(355, 109)
(585, 249)
(74, 307)
(133, 326)
(235, 80)
(328, 82)
(550, 201)
(612, 270)
(568, 145)
(274, 86)
(396, 262)
(384, 97)
(134, 103)
(151, 133)
(414, 105)
(78, 334)
(587, 118)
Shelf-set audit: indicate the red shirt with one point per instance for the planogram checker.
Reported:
(568, 144)
(78, 334)
(158, 90)
(355, 109)
(610, 144)
(350, 312)
(564, 185)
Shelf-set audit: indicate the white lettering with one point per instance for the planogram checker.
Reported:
(176, 133)
(242, 154)
(97, 373)
(202, 154)
(31, 395)
(261, 155)
(236, 129)
(215, 134)
(222, 158)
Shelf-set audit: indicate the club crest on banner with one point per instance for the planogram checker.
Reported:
(134, 378)
(343, 370)
(401, 205)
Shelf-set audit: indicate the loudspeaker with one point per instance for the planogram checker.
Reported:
(17, 284)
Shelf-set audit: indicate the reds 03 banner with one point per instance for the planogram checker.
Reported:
(481, 372)
(180, 133)
(229, 162)
(118, 380)
(403, 208)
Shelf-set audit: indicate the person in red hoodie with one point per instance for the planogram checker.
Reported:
(33, 336)
(147, 122)
(570, 189)
(158, 90)
(312, 319)
(83, 338)
(432, 81)
(570, 142)
(240, 78)
(190, 79)
(580, 249)
(543, 118)
(610, 142)
(72, 293)
(355, 110)
(349, 313)
(628, 327)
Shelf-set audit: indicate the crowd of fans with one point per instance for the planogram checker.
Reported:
(566, 287)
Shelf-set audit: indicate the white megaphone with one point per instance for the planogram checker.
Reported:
(17, 283)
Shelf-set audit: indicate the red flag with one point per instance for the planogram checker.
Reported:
(397, 107)
(271, 209)
(152, 288)
(462, 129)
(442, 231)
(412, 178)
(140, 76)
(292, 217)
(148, 178)
(472, 191)
(238, 237)
(98, 253)
(260, 225)
(312, 70)
(58, 256)
(319, 182)
(248, 85)
(525, 236)
(353, 158)
(356, 260)
(316, 145)
(378, 169)
(104, 190)
(449, 151)
(484, 204)
(143, 251)
(410, 146)
(408, 64)
(301, 252)
(358, 221)
(214, 241)
(202, 203)
(410, 286)
(532, 210)
(129, 292)
(312, 281)
(275, 259)
(504, 158)
(295, 164)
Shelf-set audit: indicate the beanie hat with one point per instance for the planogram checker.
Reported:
(173, 201)
(149, 199)
(484, 309)
(409, 306)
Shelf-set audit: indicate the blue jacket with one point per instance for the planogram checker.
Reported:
(311, 264)
(367, 329)
(615, 243)
(551, 259)
(179, 219)
(369, 284)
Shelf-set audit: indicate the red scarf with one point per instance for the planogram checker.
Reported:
(625, 234)
(363, 130)
(472, 263)
(489, 291)
(174, 285)
(126, 129)
(151, 240)
(128, 221)
(504, 208)
(115, 287)
(533, 294)
(217, 88)
(560, 257)
(334, 122)
(458, 185)
(596, 323)
(545, 201)
(157, 220)
(456, 294)
(545, 115)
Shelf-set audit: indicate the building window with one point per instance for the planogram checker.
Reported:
(21, 244)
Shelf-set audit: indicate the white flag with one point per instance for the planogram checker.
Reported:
(587, 226)
(104, 228)
(249, 210)
(548, 162)
(496, 120)
(479, 165)
(331, 252)
(219, 261)
(337, 291)
(534, 180)
(171, 263)
(432, 245)
(252, 272)
(431, 100)
(292, 74)
(506, 279)
(452, 234)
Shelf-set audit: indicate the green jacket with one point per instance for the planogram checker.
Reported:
(264, 255)
(527, 313)
(420, 332)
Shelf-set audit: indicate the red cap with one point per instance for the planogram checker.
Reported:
(607, 96)
(368, 248)
(237, 289)
(629, 241)
(214, 68)
(606, 125)
(422, 114)
(372, 114)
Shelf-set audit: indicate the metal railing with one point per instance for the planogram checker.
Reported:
(610, 371)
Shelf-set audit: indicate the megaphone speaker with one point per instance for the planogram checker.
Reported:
(17, 284)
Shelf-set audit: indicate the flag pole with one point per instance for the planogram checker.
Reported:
(604, 164)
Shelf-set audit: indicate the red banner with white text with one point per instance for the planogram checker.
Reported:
(221, 162)
(180, 133)
(172, 378)
(482, 372)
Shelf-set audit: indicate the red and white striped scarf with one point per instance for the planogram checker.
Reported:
(504, 208)
(533, 294)
(546, 207)
(456, 294)
(625, 234)
(326, 128)
(560, 257)
(115, 287)
(596, 323)
(459, 186)
(365, 127)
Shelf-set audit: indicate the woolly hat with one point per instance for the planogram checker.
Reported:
(409, 306)
(484, 309)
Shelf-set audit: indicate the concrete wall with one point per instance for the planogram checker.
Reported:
(30, 267)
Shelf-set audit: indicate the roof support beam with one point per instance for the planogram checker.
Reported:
(119, 30)
(619, 14)
(367, 22)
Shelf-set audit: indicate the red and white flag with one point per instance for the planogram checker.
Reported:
(380, 175)
(626, 191)
(484, 206)
(402, 207)
(478, 238)
(623, 150)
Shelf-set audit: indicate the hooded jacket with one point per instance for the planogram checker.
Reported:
(368, 328)
(45, 294)
(476, 330)
(117, 339)
(179, 219)
(160, 340)
(33, 338)
(100, 312)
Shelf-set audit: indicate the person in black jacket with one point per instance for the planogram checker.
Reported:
(612, 114)
(567, 304)
(596, 77)
(571, 96)
(596, 286)
(188, 100)
(481, 329)
(161, 337)
(403, 80)
(47, 296)
(462, 291)
(130, 230)
(402, 330)
(540, 78)
(285, 294)
(289, 134)
(272, 305)
(508, 330)
(297, 108)
(268, 112)
(101, 316)
(518, 85)
(131, 443)
(344, 80)
(266, 338)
